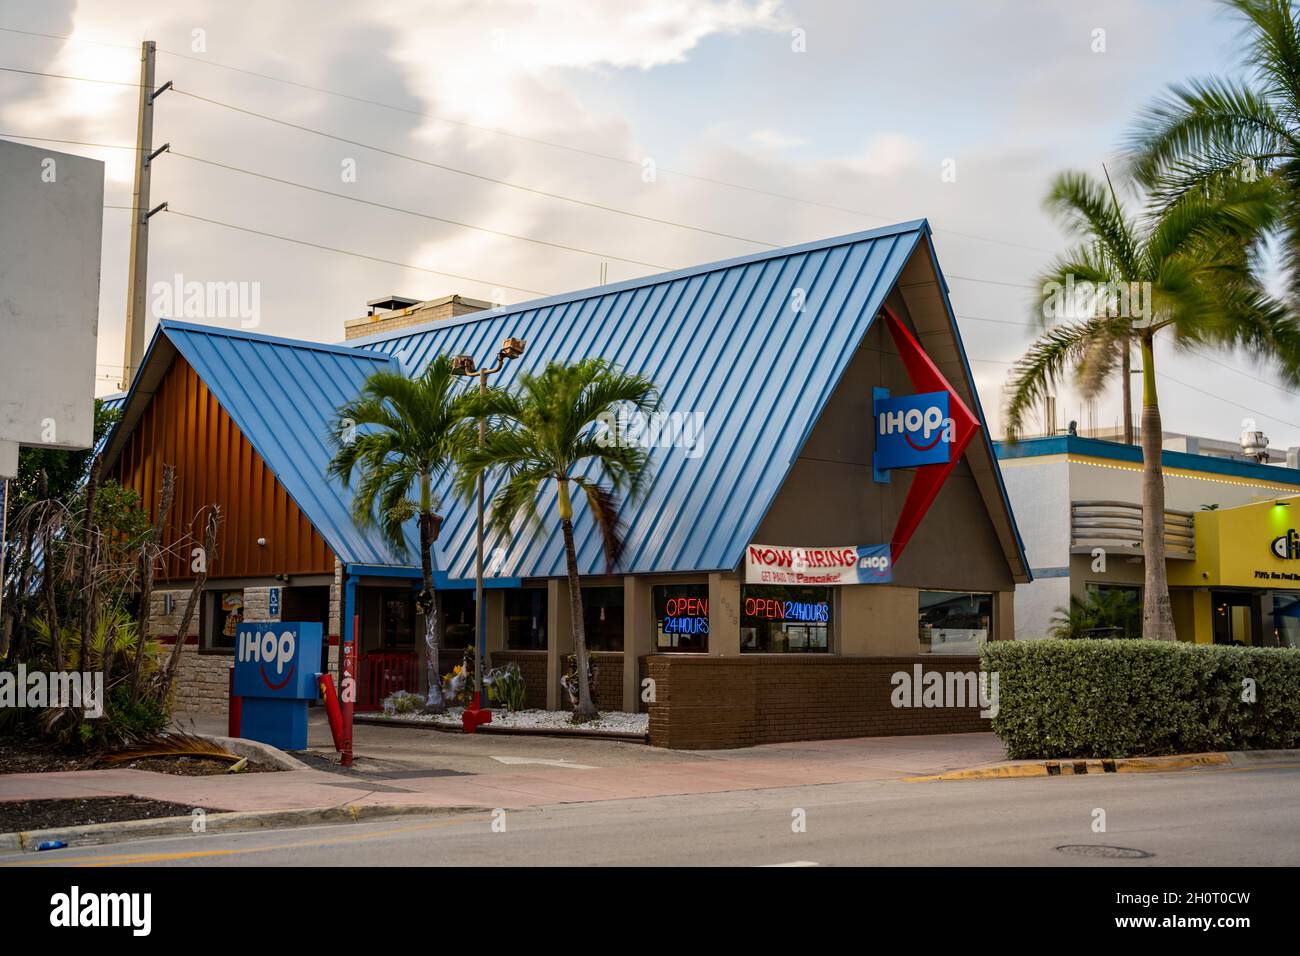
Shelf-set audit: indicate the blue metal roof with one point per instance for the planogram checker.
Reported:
(724, 340)
(282, 394)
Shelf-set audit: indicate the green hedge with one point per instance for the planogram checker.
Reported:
(1126, 698)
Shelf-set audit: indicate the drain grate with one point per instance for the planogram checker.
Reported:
(1104, 852)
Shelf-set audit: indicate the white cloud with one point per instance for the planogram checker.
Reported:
(775, 139)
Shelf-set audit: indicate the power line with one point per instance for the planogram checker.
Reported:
(596, 154)
(479, 176)
(1220, 398)
(61, 36)
(66, 76)
(412, 212)
(349, 252)
(567, 147)
(70, 142)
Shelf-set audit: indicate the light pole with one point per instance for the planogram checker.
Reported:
(511, 348)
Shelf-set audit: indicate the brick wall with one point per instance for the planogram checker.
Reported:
(704, 703)
(609, 681)
(532, 664)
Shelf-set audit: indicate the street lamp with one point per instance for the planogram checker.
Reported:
(511, 348)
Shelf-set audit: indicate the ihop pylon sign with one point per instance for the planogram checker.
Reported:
(276, 663)
(927, 431)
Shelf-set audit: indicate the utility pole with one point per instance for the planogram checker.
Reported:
(138, 278)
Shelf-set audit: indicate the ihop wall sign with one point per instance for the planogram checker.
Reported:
(276, 663)
(775, 564)
(927, 431)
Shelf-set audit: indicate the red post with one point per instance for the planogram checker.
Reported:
(234, 710)
(332, 710)
(348, 670)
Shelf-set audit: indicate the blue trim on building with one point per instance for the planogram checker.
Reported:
(1116, 451)
(1051, 572)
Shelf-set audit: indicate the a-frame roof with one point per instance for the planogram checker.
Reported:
(754, 345)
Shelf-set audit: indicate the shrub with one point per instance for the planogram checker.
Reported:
(403, 702)
(1101, 614)
(506, 687)
(1122, 698)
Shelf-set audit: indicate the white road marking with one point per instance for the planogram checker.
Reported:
(793, 863)
(546, 762)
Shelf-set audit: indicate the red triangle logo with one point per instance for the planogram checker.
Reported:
(926, 377)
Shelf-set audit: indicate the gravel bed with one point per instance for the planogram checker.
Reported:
(613, 721)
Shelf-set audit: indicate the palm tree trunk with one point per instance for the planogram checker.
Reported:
(1128, 395)
(1157, 617)
(586, 707)
(433, 699)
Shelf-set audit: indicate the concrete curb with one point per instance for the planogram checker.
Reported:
(257, 751)
(101, 833)
(507, 731)
(1016, 769)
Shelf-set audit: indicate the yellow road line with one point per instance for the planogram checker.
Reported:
(122, 859)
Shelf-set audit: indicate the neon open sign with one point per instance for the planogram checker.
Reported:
(773, 609)
(686, 615)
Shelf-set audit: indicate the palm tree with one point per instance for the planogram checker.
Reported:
(549, 430)
(1211, 130)
(1187, 271)
(402, 434)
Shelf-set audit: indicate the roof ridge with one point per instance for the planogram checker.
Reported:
(175, 325)
(866, 235)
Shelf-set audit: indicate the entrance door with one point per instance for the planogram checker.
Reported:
(1232, 618)
(309, 603)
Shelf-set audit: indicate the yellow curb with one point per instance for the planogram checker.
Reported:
(1175, 762)
(1051, 768)
(997, 771)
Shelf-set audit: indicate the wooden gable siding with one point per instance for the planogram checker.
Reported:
(185, 426)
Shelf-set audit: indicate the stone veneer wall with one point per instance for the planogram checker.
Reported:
(203, 680)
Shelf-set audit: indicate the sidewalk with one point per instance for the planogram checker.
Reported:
(405, 767)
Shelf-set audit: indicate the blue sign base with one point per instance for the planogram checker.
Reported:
(879, 475)
(280, 723)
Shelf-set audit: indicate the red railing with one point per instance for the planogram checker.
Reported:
(384, 673)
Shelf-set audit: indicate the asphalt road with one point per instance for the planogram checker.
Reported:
(1209, 817)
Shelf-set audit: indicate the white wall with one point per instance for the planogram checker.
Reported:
(1041, 490)
(51, 226)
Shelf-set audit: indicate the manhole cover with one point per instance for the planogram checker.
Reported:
(1105, 852)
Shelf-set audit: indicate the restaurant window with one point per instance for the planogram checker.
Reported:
(602, 615)
(1286, 618)
(681, 617)
(526, 619)
(457, 619)
(954, 622)
(222, 615)
(397, 619)
(785, 620)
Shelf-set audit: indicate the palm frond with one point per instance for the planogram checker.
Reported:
(172, 744)
(1043, 365)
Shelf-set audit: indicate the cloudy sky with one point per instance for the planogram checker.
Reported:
(857, 109)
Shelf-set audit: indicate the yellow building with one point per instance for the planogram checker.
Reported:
(1243, 587)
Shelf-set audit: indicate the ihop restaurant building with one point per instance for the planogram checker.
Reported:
(825, 508)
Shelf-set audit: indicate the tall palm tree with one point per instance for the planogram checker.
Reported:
(402, 435)
(1195, 288)
(548, 430)
(1213, 129)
